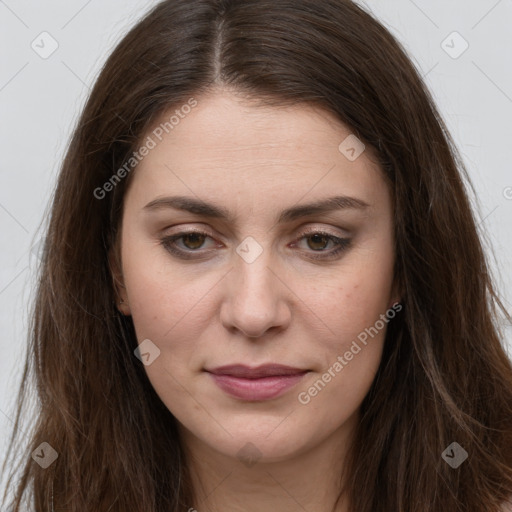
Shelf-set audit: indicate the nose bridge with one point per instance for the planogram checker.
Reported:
(253, 274)
(254, 302)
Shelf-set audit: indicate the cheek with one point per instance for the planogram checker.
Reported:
(161, 300)
(354, 309)
(356, 299)
(169, 311)
(174, 310)
(353, 350)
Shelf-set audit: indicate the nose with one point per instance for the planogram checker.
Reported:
(256, 299)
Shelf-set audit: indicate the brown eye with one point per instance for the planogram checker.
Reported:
(188, 244)
(193, 240)
(318, 241)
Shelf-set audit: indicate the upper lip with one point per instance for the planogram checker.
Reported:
(246, 372)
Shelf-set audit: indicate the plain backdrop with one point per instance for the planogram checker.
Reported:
(462, 47)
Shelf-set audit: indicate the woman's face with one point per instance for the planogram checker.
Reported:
(256, 236)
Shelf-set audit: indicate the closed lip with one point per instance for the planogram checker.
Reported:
(246, 372)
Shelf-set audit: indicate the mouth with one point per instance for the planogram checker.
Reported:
(256, 384)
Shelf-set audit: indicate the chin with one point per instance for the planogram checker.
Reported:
(267, 439)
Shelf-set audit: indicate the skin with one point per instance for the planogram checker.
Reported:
(284, 307)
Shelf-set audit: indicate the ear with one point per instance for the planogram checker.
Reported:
(120, 294)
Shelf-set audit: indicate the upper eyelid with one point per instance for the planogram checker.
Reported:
(342, 233)
(301, 234)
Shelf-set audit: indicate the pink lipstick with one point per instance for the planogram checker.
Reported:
(256, 384)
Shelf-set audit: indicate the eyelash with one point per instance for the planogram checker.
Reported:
(342, 244)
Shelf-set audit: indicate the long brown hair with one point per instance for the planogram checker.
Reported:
(444, 375)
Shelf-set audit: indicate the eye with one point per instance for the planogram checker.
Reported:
(191, 242)
(318, 241)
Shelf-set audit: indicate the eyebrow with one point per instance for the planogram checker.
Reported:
(200, 207)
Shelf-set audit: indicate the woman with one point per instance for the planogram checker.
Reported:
(262, 286)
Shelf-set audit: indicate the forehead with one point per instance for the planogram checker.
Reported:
(228, 145)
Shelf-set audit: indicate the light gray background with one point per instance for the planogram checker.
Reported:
(41, 98)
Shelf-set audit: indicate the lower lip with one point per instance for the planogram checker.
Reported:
(253, 390)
